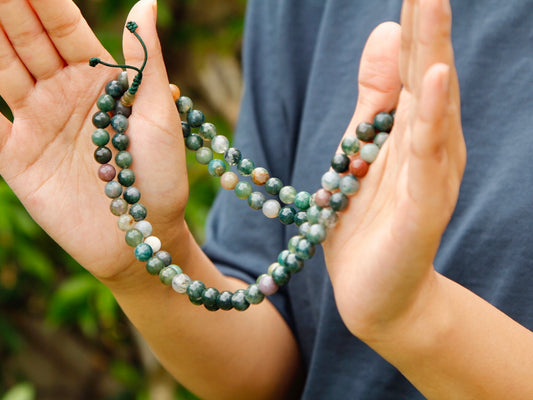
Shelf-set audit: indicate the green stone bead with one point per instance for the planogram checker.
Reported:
(114, 88)
(207, 130)
(287, 194)
(138, 212)
(224, 300)
(272, 267)
(121, 141)
(154, 266)
(143, 252)
(217, 167)
(195, 118)
(232, 156)
(103, 155)
(122, 78)
(168, 273)
(119, 123)
(100, 137)
(293, 263)
(317, 234)
(204, 155)
(293, 242)
(101, 119)
(134, 237)
(281, 275)
(105, 103)
(238, 300)
(124, 159)
(305, 249)
(209, 298)
(312, 214)
(380, 139)
(273, 186)
(304, 228)
(369, 152)
(300, 218)
(113, 189)
(256, 200)
(245, 167)
(243, 190)
(338, 201)
(119, 207)
(165, 257)
(286, 215)
(383, 122)
(196, 289)
(328, 217)
(365, 132)
(283, 256)
(340, 162)
(184, 104)
(196, 301)
(194, 141)
(185, 129)
(259, 278)
(253, 295)
(126, 177)
(349, 185)
(302, 200)
(350, 145)
(132, 195)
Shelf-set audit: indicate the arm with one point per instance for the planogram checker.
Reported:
(46, 158)
(447, 341)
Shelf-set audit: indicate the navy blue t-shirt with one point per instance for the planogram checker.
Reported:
(300, 63)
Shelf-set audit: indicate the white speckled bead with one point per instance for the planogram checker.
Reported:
(145, 227)
(271, 208)
(180, 283)
(229, 180)
(154, 242)
(220, 144)
(330, 180)
(125, 222)
(369, 152)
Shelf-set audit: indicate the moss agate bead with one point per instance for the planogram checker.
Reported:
(154, 242)
(126, 177)
(185, 129)
(312, 214)
(293, 263)
(122, 78)
(154, 266)
(145, 227)
(196, 289)
(125, 222)
(330, 180)
(260, 176)
(105, 103)
(134, 237)
(132, 195)
(300, 218)
(204, 155)
(287, 194)
(273, 186)
(224, 300)
(120, 141)
(114, 89)
(195, 118)
(365, 132)
(350, 145)
(122, 109)
(243, 190)
(106, 172)
(238, 300)
(281, 275)
(138, 212)
(196, 301)
(118, 207)
(271, 208)
(220, 144)
(358, 167)
(103, 155)
(143, 252)
(100, 137)
(266, 285)
(216, 167)
(119, 123)
(101, 119)
(301, 200)
(113, 189)
(232, 156)
(286, 215)
(209, 299)
(207, 130)
(168, 273)
(349, 185)
(380, 139)
(253, 295)
(282, 256)
(180, 283)
(293, 242)
(184, 104)
(328, 217)
(164, 256)
(245, 167)
(256, 200)
(338, 201)
(383, 122)
(124, 159)
(340, 162)
(317, 234)
(229, 180)
(304, 228)
(304, 249)
(369, 152)
(194, 142)
(322, 197)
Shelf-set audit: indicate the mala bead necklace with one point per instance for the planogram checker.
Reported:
(313, 213)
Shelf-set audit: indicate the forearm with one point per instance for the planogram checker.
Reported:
(218, 355)
(461, 347)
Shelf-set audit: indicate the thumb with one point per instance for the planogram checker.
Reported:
(144, 13)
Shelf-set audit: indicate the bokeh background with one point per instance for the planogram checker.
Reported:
(62, 335)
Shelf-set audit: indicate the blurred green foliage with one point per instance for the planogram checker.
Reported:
(40, 283)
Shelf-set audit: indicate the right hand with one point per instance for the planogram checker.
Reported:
(46, 154)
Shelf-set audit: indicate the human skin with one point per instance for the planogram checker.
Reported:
(387, 299)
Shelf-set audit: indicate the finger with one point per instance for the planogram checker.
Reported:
(5, 128)
(379, 80)
(29, 39)
(406, 22)
(68, 30)
(15, 80)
